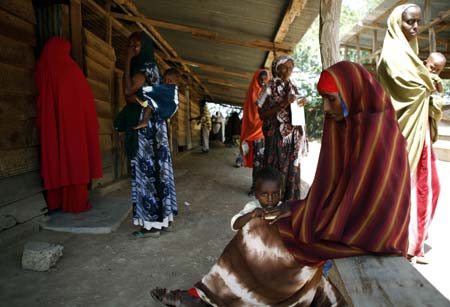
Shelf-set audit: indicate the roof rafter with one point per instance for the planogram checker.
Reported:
(205, 34)
(295, 8)
(210, 68)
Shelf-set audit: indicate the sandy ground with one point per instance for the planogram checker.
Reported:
(119, 270)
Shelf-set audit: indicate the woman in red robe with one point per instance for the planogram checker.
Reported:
(68, 129)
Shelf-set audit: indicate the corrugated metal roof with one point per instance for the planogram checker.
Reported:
(244, 20)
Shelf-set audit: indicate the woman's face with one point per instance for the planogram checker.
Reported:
(285, 70)
(135, 45)
(411, 18)
(332, 106)
(262, 79)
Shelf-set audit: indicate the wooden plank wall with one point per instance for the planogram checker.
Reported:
(20, 181)
(119, 145)
(195, 112)
(181, 121)
(99, 60)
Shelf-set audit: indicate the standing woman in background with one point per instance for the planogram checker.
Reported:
(406, 79)
(68, 129)
(282, 141)
(252, 137)
(153, 185)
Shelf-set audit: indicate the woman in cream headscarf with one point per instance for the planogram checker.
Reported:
(406, 79)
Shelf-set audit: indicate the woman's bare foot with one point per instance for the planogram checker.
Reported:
(176, 298)
(417, 259)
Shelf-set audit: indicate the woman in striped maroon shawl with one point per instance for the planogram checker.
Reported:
(357, 204)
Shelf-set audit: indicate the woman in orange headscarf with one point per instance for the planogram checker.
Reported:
(252, 137)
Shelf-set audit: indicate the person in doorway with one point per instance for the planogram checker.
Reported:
(252, 137)
(206, 124)
(358, 204)
(282, 141)
(68, 129)
(153, 184)
(218, 130)
(409, 84)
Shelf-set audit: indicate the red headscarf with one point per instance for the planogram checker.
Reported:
(251, 128)
(67, 119)
(359, 200)
(326, 83)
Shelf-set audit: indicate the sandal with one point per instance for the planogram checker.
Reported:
(176, 298)
(143, 233)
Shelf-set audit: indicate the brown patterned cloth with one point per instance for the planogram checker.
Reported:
(256, 269)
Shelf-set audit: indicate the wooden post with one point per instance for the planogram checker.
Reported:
(375, 45)
(358, 49)
(330, 11)
(75, 31)
(108, 34)
(188, 119)
(431, 32)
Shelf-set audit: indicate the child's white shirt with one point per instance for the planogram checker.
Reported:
(249, 207)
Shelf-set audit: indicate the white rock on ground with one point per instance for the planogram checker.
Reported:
(40, 256)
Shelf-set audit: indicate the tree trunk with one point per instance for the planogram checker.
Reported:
(330, 12)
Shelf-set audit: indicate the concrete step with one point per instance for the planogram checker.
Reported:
(442, 150)
(105, 216)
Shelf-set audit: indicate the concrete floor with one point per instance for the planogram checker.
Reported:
(118, 270)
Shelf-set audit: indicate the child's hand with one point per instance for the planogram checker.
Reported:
(258, 212)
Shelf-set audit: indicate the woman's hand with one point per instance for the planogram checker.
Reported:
(130, 53)
(278, 213)
(301, 102)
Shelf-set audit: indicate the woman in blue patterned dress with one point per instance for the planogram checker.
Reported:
(153, 185)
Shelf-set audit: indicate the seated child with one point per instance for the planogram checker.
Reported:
(171, 76)
(435, 63)
(268, 184)
(256, 268)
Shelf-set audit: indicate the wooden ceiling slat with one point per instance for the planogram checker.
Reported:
(206, 34)
(295, 8)
(210, 68)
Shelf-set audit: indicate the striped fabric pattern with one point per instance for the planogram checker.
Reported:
(360, 199)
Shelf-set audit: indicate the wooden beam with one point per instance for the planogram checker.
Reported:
(115, 23)
(375, 44)
(205, 34)
(108, 34)
(358, 50)
(380, 28)
(295, 8)
(445, 15)
(381, 17)
(223, 82)
(75, 32)
(210, 68)
(427, 18)
(330, 11)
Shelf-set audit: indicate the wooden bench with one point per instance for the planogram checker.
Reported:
(383, 281)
